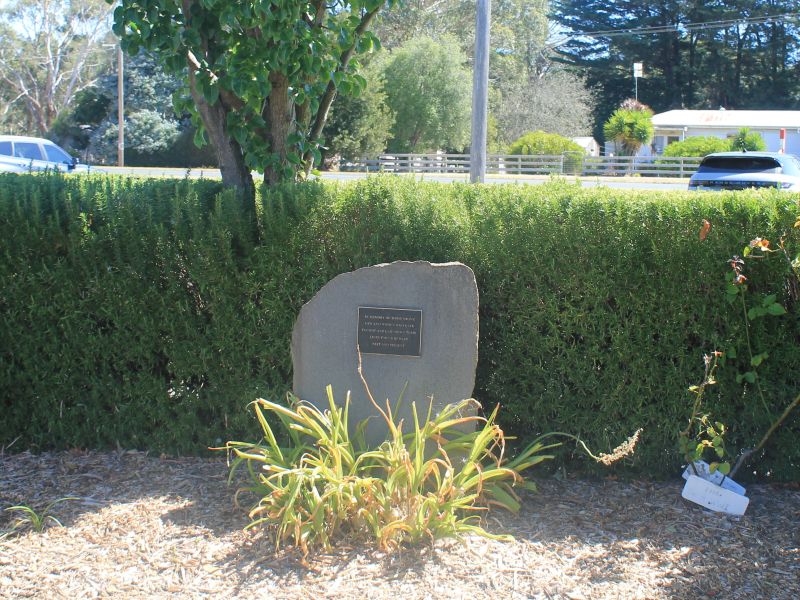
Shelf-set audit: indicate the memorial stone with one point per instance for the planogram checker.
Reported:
(415, 323)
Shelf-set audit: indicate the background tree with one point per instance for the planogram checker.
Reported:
(557, 102)
(429, 90)
(50, 51)
(262, 76)
(526, 92)
(737, 54)
(360, 125)
(151, 125)
(630, 127)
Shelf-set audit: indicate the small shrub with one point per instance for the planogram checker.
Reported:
(748, 140)
(700, 145)
(703, 145)
(545, 144)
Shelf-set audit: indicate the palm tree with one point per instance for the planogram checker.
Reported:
(630, 127)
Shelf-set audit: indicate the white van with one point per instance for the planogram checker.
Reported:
(21, 154)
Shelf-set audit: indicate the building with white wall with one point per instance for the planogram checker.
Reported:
(676, 125)
(589, 145)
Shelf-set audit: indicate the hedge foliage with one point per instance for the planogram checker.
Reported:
(540, 142)
(147, 313)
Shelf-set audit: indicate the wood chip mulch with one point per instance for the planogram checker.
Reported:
(148, 527)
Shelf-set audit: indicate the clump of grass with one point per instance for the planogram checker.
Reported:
(436, 480)
(27, 517)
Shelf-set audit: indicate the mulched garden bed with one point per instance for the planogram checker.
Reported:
(148, 527)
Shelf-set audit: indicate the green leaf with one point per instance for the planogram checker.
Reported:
(767, 300)
(758, 359)
(776, 309)
(211, 93)
(724, 468)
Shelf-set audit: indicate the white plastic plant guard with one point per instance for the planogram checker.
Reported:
(703, 471)
(714, 497)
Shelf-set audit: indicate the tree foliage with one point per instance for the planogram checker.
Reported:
(262, 75)
(429, 90)
(49, 52)
(557, 101)
(526, 93)
(630, 127)
(151, 125)
(360, 125)
(735, 57)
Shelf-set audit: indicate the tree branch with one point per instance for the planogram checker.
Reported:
(745, 455)
(330, 90)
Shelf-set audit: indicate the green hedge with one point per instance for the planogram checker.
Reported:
(147, 313)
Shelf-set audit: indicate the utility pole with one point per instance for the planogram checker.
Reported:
(120, 108)
(480, 93)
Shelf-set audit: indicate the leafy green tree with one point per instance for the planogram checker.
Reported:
(262, 76)
(429, 90)
(541, 143)
(748, 140)
(151, 125)
(360, 125)
(741, 60)
(630, 127)
(699, 145)
(73, 128)
(146, 132)
(50, 51)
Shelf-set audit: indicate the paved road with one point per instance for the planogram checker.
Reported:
(634, 183)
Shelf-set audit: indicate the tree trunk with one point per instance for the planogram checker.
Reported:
(230, 157)
(279, 115)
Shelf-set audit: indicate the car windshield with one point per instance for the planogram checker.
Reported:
(745, 164)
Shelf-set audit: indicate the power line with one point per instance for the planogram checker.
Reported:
(683, 27)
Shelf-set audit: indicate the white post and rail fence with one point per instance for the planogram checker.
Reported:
(568, 163)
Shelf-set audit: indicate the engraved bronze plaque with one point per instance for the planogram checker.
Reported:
(390, 331)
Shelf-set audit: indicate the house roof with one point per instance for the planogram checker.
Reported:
(756, 119)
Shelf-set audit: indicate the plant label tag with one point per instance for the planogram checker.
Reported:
(717, 478)
(714, 497)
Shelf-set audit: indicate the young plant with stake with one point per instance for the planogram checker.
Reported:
(701, 434)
